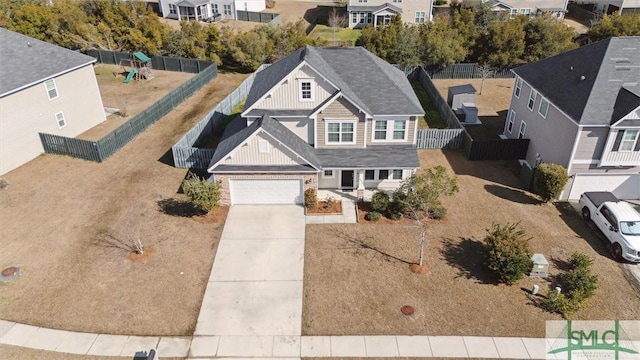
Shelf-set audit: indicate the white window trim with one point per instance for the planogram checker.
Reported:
(635, 141)
(511, 121)
(517, 90)
(374, 175)
(533, 95)
(312, 90)
(263, 146)
(332, 121)
(55, 87)
(544, 116)
(64, 120)
(389, 172)
(389, 130)
(325, 176)
(523, 130)
(420, 15)
(401, 173)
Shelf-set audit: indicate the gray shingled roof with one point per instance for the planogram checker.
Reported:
(374, 9)
(462, 89)
(288, 112)
(394, 156)
(584, 83)
(264, 168)
(371, 83)
(25, 61)
(626, 102)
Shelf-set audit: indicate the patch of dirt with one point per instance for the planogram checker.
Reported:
(50, 227)
(492, 102)
(326, 207)
(136, 257)
(357, 276)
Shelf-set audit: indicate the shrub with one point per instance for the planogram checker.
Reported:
(441, 2)
(399, 203)
(557, 303)
(578, 284)
(373, 216)
(379, 202)
(310, 198)
(509, 255)
(439, 212)
(202, 193)
(550, 180)
(396, 215)
(579, 260)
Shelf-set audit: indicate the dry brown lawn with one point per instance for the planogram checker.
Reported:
(19, 353)
(492, 104)
(56, 211)
(357, 275)
(130, 98)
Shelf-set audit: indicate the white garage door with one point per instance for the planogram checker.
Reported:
(266, 191)
(623, 186)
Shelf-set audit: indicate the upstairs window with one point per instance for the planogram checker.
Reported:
(532, 99)
(390, 130)
(52, 91)
(543, 109)
(627, 140)
(341, 132)
(518, 88)
(306, 90)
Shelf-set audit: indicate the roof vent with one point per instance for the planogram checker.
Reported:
(28, 44)
(582, 78)
(571, 69)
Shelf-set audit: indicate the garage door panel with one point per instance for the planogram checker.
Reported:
(266, 191)
(623, 186)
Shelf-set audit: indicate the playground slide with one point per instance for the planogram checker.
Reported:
(130, 76)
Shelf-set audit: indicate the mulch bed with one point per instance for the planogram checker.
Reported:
(363, 208)
(325, 207)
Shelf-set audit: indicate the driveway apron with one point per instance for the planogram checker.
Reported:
(255, 286)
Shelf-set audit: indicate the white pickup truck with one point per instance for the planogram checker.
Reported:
(618, 221)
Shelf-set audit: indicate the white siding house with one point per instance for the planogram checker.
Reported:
(206, 10)
(43, 88)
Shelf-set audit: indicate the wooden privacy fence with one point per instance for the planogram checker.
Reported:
(100, 150)
(499, 149)
(439, 138)
(465, 71)
(271, 19)
(185, 152)
(166, 63)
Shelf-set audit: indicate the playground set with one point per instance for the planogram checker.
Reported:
(140, 67)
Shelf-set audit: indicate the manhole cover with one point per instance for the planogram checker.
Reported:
(9, 273)
(407, 310)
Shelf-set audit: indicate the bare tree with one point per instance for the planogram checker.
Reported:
(486, 71)
(124, 233)
(336, 21)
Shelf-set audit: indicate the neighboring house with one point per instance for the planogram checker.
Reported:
(328, 118)
(206, 10)
(512, 8)
(581, 109)
(603, 7)
(379, 12)
(43, 88)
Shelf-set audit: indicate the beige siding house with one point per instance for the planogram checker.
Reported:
(513, 8)
(379, 12)
(328, 118)
(43, 88)
(581, 109)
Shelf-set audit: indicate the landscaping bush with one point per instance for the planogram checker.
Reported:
(578, 285)
(396, 215)
(202, 193)
(379, 202)
(373, 216)
(509, 255)
(550, 180)
(310, 198)
(439, 212)
(441, 2)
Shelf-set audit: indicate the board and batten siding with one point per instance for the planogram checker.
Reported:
(249, 154)
(287, 95)
(591, 142)
(29, 112)
(340, 109)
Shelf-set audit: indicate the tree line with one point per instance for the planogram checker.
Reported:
(471, 35)
(479, 35)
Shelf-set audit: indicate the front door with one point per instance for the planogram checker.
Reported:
(347, 179)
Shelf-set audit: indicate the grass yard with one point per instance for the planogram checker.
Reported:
(432, 118)
(57, 213)
(212, 140)
(343, 36)
(357, 277)
(492, 103)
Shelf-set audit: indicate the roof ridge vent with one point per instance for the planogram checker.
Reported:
(582, 78)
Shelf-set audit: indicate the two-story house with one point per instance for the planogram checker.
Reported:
(581, 109)
(604, 7)
(204, 10)
(43, 88)
(328, 118)
(513, 8)
(379, 12)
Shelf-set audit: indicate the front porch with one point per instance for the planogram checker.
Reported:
(361, 16)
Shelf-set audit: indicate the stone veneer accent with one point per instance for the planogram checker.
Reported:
(309, 181)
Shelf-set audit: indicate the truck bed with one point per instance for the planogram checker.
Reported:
(598, 197)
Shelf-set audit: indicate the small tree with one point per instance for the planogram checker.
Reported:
(509, 255)
(310, 198)
(421, 193)
(336, 21)
(549, 181)
(486, 71)
(202, 193)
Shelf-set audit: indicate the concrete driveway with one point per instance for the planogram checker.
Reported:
(255, 287)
